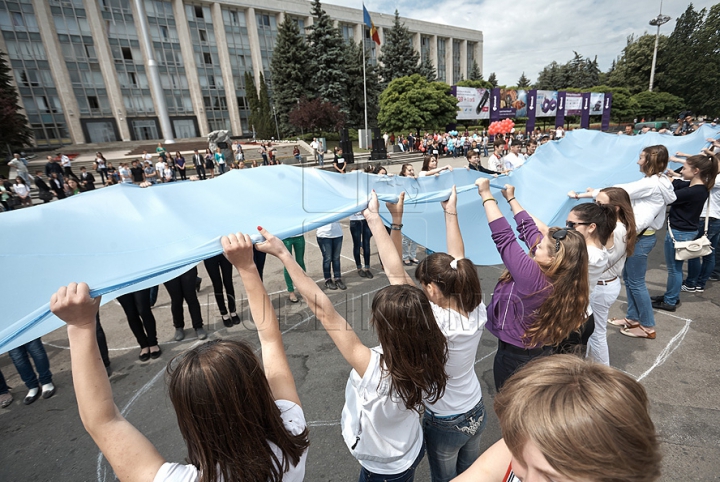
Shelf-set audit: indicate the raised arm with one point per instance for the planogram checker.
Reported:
(389, 247)
(455, 245)
(132, 456)
(239, 251)
(350, 346)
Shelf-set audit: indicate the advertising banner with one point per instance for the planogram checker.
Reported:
(585, 116)
(494, 104)
(607, 104)
(596, 103)
(472, 103)
(513, 103)
(546, 103)
(560, 117)
(531, 110)
(573, 103)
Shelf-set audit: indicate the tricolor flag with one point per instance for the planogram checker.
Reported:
(368, 21)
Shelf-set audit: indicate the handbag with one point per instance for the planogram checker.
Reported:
(45, 195)
(695, 248)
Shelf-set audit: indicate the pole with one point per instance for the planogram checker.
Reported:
(652, 69)
(365, 90)
(154, 75)
(277, 129)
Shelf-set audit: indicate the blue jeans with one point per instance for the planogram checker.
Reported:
(361, 234)
(3, 385)
(22, 363)
(699, 273)
(453, 442)
(639, 303)
(330, 249)
(675, 267)
(407, 476)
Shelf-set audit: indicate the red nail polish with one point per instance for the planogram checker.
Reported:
(259, 228)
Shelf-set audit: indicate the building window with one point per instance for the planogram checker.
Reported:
(93, 102)
(441, 70)
(424, 48)
(207, 57)
(203, 35)
(457, 75)
(470, 58)
(127, 53)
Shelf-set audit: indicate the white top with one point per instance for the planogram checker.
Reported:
(462, 391)
(495, 164)
(167, 172)
(597, 262)
(160, 166)
(147, 157)
(617, 254)
(357, 217)
(100, 162)
(294, 420)
(65, 161)
(332, 230)
(513, 161)
(314, 144)
(649, 196)
(125, 175)
(383, 435)
(21, 189)
(714, 201)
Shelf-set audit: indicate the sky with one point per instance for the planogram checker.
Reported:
(526, 35)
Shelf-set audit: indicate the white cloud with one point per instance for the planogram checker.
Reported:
(526, 35)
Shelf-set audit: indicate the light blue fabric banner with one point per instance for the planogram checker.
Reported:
(124, 238)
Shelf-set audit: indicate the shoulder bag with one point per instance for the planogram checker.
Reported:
(697, 247)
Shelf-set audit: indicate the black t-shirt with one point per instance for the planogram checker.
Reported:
(685, 211)
(137, 174)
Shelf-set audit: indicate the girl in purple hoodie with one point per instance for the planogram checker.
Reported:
(542, 297)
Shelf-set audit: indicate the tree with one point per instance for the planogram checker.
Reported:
(624, 106)
(475, 73)
(657, 105)
(266, 123)
(399, 58)
(632, 68)
(354, 96)
(289, 67)
(493, 80)
(578, 73)
(14, 130)
(476, 84)
(551, 77)
(427, 70)
(326, 48)
(523, 82)
(317, 115)
(413, 103)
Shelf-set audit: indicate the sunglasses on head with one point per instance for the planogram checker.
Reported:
(572, 224)
(559, 235)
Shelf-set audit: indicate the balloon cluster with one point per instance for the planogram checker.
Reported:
(501, 127)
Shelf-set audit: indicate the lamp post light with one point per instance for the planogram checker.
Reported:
(656, 22)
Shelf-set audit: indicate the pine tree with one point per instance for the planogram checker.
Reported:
(523, 82)
(326, 48)
(289, 67)
(355, 97)
(266, 127)
(399, 58)
(475, 73)
(427, 70)
(253, 102)
(493, 80)
(14, 130)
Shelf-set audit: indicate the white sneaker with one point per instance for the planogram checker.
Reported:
(48, 390)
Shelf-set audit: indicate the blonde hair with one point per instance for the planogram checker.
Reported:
(589, 421)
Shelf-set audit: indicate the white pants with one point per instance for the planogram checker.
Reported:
(409, 248)
(601, 299)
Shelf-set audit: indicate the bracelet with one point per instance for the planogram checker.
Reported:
(511, 200)
(490, 199)
(396, 227)
(451, 214)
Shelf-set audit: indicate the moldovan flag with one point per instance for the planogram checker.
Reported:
(368, 21)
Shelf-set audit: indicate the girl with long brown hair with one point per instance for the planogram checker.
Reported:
(542, 297)
(453, 424)
(240, 418)
(388, 383)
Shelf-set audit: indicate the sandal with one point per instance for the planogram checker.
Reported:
(293, 298)
(623, 322)
(638, 332)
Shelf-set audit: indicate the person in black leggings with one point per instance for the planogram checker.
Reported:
(142, 322)
(102, 344)
(220, 271)
(183, 288)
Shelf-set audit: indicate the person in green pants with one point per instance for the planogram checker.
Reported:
(298, 242)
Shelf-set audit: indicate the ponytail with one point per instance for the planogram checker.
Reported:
(620, 199)
(708, 165)
(456, 279)
(602, 216)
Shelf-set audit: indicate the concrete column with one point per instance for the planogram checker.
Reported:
(416, 43)
(359, 33)
(251, 22)
(449, 60)
(107, 66)
(228, 80)
(186, 47)
(434, 51)
(479, 55)
(463, 59)
(56, 59)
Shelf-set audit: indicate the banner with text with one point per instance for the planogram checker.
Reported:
(472, 103)
(547, 101)
(573, 103)
(607, 104)
(560, 116)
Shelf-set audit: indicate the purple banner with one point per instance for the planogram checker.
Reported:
(531, 108)
(560, 117)
(606, 112)
(495, 104)
(585, 116)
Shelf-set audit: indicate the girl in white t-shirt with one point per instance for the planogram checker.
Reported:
(430, 167)
(388, 383)
(453, 424)
(241, 418)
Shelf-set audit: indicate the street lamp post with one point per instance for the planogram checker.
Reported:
(656, 22)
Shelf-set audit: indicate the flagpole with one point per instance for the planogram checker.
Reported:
(364, 85)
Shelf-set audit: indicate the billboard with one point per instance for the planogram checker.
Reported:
(547, 101)
(472, 103)
(596, 103)
(573, 103)
(513, 103)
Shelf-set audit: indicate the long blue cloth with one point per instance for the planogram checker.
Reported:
(124, 238)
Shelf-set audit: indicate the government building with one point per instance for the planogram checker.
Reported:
(83, 68)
